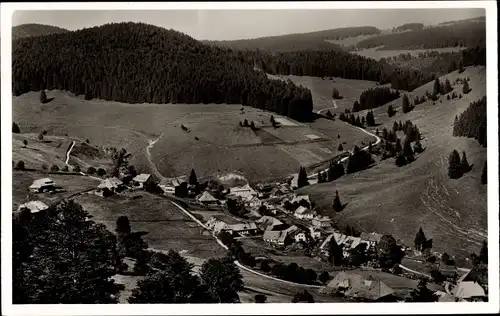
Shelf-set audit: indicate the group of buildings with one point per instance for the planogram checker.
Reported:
(112, 185)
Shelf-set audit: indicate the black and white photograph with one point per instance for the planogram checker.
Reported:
(215, 155)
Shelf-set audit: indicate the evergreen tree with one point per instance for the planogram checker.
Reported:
(437, 86)
(336, 94)
(324, 277)
(245, 123)
(407, 150)
(302, 178)
(370, 119)
(193, 180)
(406, 104)
(252, 125)
(43, 96)
(398, 147)
(484, 175)
(337, 205)
(465, 88)
(25, 143)
(340, 148)
(395, 127)
(222, 279)
(390, 111)
(417, 148)
(335, 256)
(447, 86)
(455, 167)
(464, 163)
(483, 254)
(15, 128)
(420, 239)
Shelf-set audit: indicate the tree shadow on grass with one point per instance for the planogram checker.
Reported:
(48, 100)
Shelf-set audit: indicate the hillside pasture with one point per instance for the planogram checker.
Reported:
(379, 53)
(50, 151)
(399, 201)
(21, 180)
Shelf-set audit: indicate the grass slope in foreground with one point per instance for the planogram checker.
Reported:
(388, 199)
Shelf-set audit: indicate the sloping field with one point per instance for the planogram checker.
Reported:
(21, 180)
(50, 151)
(212, 141)
(398, 201)
(377, 53)
(167, 227)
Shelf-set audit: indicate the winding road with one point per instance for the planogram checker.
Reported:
(69, 152)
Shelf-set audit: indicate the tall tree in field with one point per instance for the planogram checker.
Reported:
(407, 150)
(483, 254)
(335, 255)
(64, 258)
(193, 179)
(390, 111)
(337, 205)
(340, 148)
(15, 128)
(466, 88)
(437, 86)
(302, 178)
(420, 239)
(25, 143)
(222, 279)
(398, 147)
(406, 104)
(447, 86)
(454, 165)
(464, 163)
(484, 175)
(43, 96)
(122, 230)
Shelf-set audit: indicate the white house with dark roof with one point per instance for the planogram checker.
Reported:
(303, 213)
(33, 206)
(207, 199)
(142, 180)
(41, 185)
(110, 184)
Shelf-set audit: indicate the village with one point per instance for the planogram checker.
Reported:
(274, 221)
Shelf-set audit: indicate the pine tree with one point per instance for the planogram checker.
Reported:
(398, 147)
(447, 86)
(395, 127)
(340, 148)
(245, 123)
(484, 175)
(407, 150)
(390, 111)
(43, 96)
(464, 163)
(335, 253)
(252, 125)
(454, 168)
(420, 239)
(437, 86)
(466, 88)
(193, 179)
(406, 104)
(302, 178)
(417, 148)
(455, 126)
(15, 128)
(337, 205)
(483, 253)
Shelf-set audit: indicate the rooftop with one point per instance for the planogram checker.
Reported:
(34, 206)
(143, 177)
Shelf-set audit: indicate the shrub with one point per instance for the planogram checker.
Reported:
(65, 169)
(91, 170)
(54, 168)
(19, 165)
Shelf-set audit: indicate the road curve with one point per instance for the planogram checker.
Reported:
(69, 152)
(238, 264)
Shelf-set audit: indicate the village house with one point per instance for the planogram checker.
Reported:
(170, 185)
(33, 206)
(322, 222)
(253, 202)
(207, 199)
(372, 239)
(469, 291)
(303, 213)
(275, 237)
(361, 288)
(111, 185)
(298, 198)
(41, 185)
(141, 181)
(243, 229)
(300, 237)
(324, 245)
(268, 223)
(245, 192)
(315, 232)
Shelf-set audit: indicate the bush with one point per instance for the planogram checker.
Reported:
(260, 298)
(101, 172)
(91, 170)
(54, 168)
(76, 168)
(19, 165)
(65, 169)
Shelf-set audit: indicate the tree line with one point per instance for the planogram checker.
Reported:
(472, 122)
(374, 97)
(137, 63)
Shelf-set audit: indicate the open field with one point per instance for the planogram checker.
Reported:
(50, 151)
(398, 201)
(167, 227)
(378, 53)
(21, 180)
(213, 142)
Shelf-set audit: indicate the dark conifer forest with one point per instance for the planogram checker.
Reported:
(472, 122)
(373, 98)
(136, 63)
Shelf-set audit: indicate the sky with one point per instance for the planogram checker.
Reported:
(242, 24)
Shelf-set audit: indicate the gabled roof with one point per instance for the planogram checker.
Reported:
(34, 206)
(299, 198)
(360, 287)
(468, 289)
(206, 197)
(374, 237)
(275, 236)
(110, 183)
(269, 221)
(323, 219)
(41, 182)
(143, 177)
(243, 226)
(326, 241)
(301, 210)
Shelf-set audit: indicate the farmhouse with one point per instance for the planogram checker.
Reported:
(299, 198)
(244, 229)
(268, 222)
(254, 202)
(245, 192)
(170, 185)
(322, 222)
(207, 199)
(371, 239)
(276, 192)
(469, 291)
(300, 237)
(324, 246)
(41, 185)
(142, 180)
(303, 213)
(357, 287)
(33, 206)
(110, 184)
(275, 237)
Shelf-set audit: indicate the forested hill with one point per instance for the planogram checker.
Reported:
(33, 29)
(298, 42)
(469, 33)
(137, 63)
